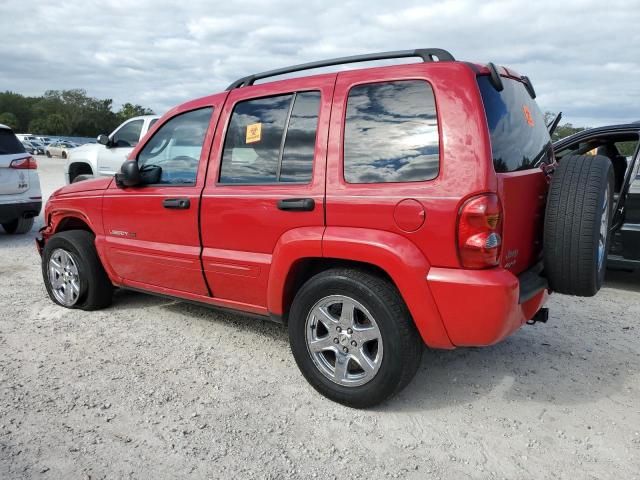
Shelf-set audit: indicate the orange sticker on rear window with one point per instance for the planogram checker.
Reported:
(527, 115)
(254, 133)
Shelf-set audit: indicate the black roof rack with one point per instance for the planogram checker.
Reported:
(427, 55)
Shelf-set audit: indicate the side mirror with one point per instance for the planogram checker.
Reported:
(129, 175)
(103, 140)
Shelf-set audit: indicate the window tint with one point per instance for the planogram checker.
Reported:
(176, 147)
(9, 143)
(519, 137)
(128, 135)
(271, 140)
(300, 142)
(391, 133)
(153, 122)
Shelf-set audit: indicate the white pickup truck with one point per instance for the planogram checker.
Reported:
(105, 157)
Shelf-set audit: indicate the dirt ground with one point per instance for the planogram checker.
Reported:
(151, 388)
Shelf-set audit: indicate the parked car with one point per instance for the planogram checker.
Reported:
(33, 147)
(46, 140)
(29, 148)
(106, 156)
(373, 211)
(619, 143)
(20, 197)
(60, 148)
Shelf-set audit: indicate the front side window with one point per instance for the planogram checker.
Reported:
(175, 148)
(128, 135)
(391, 133)
(271, 140)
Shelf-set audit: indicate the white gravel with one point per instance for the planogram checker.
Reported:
(151, 388)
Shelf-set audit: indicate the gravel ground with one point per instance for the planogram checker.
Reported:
(151, 388)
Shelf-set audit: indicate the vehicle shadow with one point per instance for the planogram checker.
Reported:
(540, 363)
(624, 280)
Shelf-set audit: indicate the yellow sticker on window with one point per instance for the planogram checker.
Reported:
(254, 133)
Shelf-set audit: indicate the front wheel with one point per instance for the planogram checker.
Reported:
(64, 154)
(353, 338)
(72, 272)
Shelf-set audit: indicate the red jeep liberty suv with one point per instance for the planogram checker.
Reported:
(373, 211)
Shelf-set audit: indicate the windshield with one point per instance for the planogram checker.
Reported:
(519, 136)
(9, 143)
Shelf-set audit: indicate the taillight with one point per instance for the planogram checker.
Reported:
(479, 232)
(28, 163)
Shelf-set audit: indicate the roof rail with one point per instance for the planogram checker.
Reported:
(426, 54)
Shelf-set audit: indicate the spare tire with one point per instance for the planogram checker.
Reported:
(577, 223)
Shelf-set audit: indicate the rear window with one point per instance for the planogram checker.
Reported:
(519, 136)
(9, 143)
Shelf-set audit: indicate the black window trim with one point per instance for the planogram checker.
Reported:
(191, 184)
(283, 139)
(344, 124)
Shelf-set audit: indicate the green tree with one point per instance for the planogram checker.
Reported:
(563, 130)
(128, 110)
(10, 120)
(66, 112)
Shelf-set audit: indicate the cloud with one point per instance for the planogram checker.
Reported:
(582, 55)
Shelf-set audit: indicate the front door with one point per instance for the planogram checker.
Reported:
(151, 231)
(266, 185)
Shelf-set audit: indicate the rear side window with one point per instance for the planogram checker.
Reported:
(271, 140)
(519, 136)
(9, 143)
(391, 133)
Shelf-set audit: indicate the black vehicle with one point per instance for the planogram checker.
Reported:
(620, 144)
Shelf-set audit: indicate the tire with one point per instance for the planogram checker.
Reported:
(81, 177)
(48, 154)
(64, 155)
(18, 226)
(87, 282)
(398, 350)
(577, 224)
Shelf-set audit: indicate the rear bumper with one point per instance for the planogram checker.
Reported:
(482, 307)
(11, 211)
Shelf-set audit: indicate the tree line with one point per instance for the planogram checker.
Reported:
(64, 112)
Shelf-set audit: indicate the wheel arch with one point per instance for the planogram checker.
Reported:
(72, 222)
(304, 254)
(79, 167)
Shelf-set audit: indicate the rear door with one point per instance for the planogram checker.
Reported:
(520, 145)
(266, 182)
(12, 181)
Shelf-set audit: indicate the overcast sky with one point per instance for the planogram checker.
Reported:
(582, 56)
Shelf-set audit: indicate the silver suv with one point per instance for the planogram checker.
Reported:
(20, 196)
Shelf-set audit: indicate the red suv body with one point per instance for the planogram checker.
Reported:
(269, 185)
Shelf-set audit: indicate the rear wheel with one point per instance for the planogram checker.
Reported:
(577, 224)
(353, 337)
(48, 154)
(19, 225)
(64, 154)
(72, 272)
